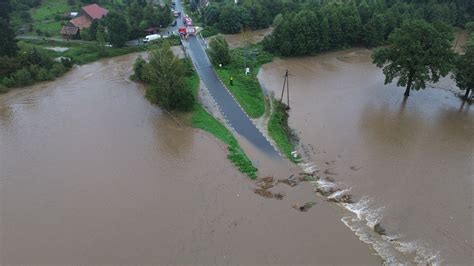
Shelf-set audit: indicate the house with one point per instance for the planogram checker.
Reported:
(70, 32)
(83, 20)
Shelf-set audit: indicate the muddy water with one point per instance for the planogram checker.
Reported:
(243, 39)
(410, 162)
(91, 173)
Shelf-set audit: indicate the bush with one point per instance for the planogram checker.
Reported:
(23, 77)
(8, 82)
(219, 51)
(209, 31)
(57, 70)
(3, 88)
(138, 67)
(44, 75)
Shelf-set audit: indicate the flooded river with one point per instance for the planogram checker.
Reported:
(91, 173)
(410, 163)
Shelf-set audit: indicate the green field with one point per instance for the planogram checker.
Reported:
(246, 89)
(45, 16)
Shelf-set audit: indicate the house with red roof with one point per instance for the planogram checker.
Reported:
(88, 14)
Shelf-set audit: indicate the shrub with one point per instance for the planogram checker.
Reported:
(138, 67)
(8, 82)
(23, 77)
(57, 70)
(43, 75)
(3, 88)
(219, 51)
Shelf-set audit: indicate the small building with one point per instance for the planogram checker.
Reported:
(83, 19)
(70, 32)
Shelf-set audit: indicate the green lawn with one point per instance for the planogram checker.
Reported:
(44, 16)
(203, 120)
(246, 89)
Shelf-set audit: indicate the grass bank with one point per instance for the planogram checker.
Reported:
(201, 119)
(246, 88)
(279, 130)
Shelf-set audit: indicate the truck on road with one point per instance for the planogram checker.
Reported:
(152, 37)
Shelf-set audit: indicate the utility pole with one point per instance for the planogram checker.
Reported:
(286, 84)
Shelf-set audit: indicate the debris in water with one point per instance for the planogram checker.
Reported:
(355, 168)
(264, 193)
(330, 179)
(379, 229)
(264, 185)
(329, 172)
(279, 195)
(305, 207)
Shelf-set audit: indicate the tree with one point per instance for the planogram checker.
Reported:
(219, 51)
(464, 68)
(100, 35)
(166, 75)
(8, 44)
(229, 19)
(117, 29)
(418, 53)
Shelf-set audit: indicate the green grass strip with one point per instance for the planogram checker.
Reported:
(279, 130)
(203, 120)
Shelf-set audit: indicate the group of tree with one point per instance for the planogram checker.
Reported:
(165, 75)
(324, 25)
(229, 17)
(375, 18)
(25, 67)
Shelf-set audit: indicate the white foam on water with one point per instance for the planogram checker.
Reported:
(364, 216)
(338, 194)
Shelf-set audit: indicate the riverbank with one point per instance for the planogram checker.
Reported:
(397, 159)
(92, 173)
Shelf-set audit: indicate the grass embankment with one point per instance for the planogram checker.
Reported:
(47, 17)
(246, 89)
(279, 130)
(203, 120)
(89, 51)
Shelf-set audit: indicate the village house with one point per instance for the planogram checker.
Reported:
(83, 20)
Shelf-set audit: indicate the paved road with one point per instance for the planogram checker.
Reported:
(232, 111)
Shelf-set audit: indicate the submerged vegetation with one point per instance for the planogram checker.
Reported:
(279, 130)
(419, 53)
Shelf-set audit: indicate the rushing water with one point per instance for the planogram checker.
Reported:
(410, 162)
(91, 173)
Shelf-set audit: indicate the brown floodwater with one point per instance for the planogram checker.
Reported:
(410, 163)
(91, 173)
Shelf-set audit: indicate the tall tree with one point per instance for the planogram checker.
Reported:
(219, 51)
(117, 29)
(166, 75)
(464, 70)
(8, 44)
(418, 53)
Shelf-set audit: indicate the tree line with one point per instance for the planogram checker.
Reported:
(376, 17)
(325, 25)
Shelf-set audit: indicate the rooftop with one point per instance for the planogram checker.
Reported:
(95, 11)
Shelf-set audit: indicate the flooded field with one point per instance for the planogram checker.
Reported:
(243, 39)
(91, 173)
(410, 163)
